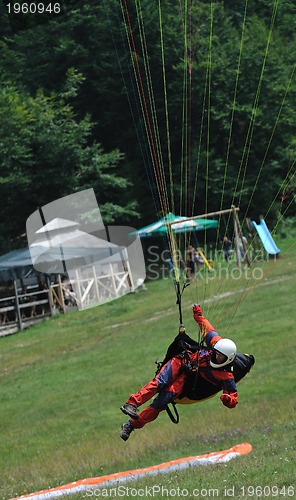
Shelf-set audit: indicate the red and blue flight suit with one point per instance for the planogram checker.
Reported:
(169, 382)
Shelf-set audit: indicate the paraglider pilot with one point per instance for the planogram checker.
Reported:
(214, 365)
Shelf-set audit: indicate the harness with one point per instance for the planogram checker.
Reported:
(194, 391)
(180, 347)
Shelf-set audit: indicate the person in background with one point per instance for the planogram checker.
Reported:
(242, 244)
(190, 262)
(226, 247)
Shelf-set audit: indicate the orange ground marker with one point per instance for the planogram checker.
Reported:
(112, 480)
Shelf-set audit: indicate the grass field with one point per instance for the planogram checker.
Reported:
(63, 381)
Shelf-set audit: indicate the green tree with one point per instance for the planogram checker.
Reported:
(46, 155)
(208, 129)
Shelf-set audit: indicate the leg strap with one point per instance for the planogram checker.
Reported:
(174, 418)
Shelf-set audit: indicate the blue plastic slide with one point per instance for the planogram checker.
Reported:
(266, 237)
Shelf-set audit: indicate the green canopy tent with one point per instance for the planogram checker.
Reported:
(188, 225)
(158, 228)
(178, 223)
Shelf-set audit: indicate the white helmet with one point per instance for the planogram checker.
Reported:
(226, 347)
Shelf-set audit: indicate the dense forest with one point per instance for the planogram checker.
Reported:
(86, 97)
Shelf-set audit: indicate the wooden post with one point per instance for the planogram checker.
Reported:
(50, 295)
(129, 272)
(126, 267)
(78, 287)
(236, 237)
(61, 294)
(113, 278)
(50, 303)
(96, 283)
(246, 257)
(17, 307)
(204, 216)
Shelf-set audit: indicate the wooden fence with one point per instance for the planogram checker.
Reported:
(21, 310)
(86, 289)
